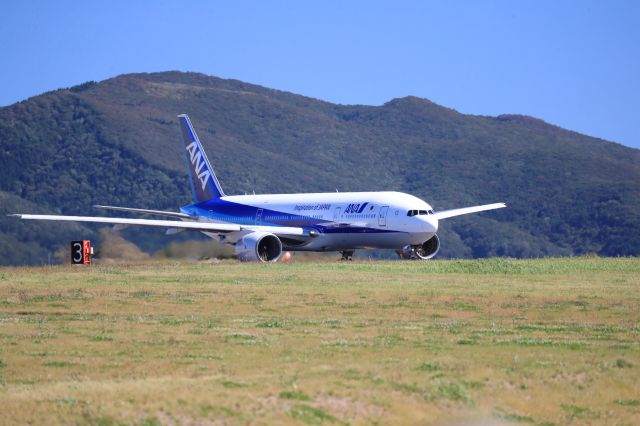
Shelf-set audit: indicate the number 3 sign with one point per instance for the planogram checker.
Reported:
(81, 252)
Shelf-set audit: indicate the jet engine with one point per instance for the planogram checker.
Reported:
(259, 246)
(423, 251)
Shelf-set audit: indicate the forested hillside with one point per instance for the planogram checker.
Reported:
(117, 142)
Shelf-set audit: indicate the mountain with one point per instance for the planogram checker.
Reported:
(117, 142)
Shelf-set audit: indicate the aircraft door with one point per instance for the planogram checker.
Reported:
(382, 216)
(336, 213)
(259, 217)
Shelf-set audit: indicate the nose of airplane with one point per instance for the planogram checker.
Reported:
(429, 224)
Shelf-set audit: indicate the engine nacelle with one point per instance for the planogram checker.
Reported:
(259, 246)
(424, 251)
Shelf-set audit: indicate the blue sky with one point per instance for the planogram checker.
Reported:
(572, 63)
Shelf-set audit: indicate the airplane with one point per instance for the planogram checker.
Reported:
(262, 227)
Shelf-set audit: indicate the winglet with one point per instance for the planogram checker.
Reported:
(204, 183)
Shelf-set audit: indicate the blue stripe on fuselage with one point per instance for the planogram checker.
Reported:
(242, 214)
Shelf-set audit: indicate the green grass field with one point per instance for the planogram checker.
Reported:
(540, 342)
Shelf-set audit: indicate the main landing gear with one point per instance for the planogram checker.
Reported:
(346, 255)
(411, 252)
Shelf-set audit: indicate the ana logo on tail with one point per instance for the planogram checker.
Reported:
(198, 163)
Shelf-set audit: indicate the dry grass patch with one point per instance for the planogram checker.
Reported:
(551, 341)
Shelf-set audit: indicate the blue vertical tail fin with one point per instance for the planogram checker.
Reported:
(204, 183)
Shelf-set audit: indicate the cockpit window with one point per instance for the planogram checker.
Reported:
(419, 212)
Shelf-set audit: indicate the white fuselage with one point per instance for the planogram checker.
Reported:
(340, 220)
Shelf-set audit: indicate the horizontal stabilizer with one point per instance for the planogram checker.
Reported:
(145, 211)
(174, 231)
(466, 210)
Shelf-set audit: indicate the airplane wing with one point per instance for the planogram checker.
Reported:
(466, 210)
(173, 224)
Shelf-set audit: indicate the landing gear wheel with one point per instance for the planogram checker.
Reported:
(419, 252)
(346, 255)
(410, 252)
(424, 251)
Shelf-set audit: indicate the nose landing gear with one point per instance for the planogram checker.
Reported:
(410, 252)
(423, 251)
